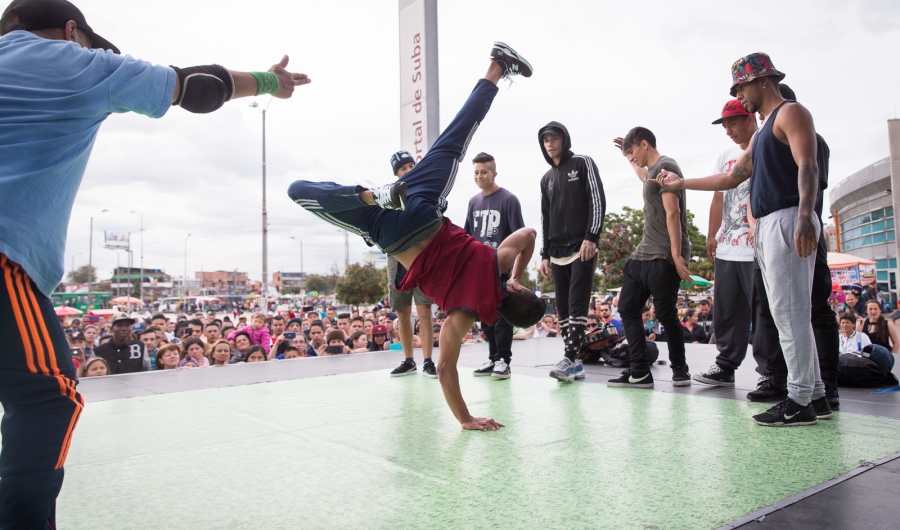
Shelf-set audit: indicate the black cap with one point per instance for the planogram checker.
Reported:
(46, 14)
(551, 130)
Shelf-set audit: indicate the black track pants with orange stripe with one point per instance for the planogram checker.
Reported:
(40, 404)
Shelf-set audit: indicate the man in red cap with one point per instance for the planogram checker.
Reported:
(59, 82)
(783, 159)
(728, 246)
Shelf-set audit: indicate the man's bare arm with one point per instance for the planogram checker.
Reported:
(741, 171)
(245, 85)
(516, 251)
(673, 226)
(797, 124)
(715, 221)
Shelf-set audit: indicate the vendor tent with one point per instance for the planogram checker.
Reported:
(847, 269)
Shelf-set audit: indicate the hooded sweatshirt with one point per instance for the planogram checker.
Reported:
(572, 200)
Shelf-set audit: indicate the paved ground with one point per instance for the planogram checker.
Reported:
(279, 445)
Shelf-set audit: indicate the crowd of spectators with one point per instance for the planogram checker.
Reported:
(128, 343)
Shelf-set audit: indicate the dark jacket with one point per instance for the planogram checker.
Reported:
(572, 200)
(131, 357)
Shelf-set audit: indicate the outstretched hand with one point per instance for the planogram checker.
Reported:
(669, 180)
(481, 424)
(618, 143)
(287, 80)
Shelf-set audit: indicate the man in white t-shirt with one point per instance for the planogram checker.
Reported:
(728, 245)
(852, 341)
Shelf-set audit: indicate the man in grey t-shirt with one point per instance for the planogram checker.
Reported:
(657, 266)
(494, 213)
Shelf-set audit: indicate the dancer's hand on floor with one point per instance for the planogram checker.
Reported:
(513, 285)
(481, 424)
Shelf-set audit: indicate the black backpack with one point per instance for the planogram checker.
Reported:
(857, 370)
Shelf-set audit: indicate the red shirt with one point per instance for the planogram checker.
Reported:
(457, 272)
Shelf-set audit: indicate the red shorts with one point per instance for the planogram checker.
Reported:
(457, 272)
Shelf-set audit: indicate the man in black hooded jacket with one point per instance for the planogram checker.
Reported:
(572, 208)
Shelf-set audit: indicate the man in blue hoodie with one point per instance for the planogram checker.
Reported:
(572, 208)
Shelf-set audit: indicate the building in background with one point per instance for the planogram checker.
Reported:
(831, 237)
(863, 206)
(288, 282)
(221, 282)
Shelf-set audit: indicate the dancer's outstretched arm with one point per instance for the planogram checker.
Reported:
(516, 249)
(454, 330)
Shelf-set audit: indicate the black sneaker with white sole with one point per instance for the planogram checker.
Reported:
(681, 376)
(767, 389)
(511, 62)
(429, 370)
(822, 408)
(390, 196)
(716, 376)
(407, 367)
(501, 370)
(630, 379)
(788, 413)
(486, 370)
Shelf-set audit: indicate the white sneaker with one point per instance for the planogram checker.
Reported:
(579, 369)
(501, 370)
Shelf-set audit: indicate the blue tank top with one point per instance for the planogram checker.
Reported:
(774, 181)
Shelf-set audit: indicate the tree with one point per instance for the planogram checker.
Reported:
(317, 283)
(699, 264)
(362, 284)
(622, 232)
(80, 275)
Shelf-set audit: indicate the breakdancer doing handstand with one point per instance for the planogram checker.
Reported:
(405, 219)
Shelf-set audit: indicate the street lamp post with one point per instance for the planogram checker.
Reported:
(142, 255)
(184, 283)
(302, 280)
(265, 223)
(91, 260)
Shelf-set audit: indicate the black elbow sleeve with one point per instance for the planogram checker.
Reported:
(204, 88)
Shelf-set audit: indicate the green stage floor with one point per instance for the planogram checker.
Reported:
(367, 451)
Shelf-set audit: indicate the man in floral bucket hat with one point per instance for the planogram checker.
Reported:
(751, 68)
(782, 159)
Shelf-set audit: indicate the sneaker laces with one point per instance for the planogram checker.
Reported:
(563, 365)
(714, 369)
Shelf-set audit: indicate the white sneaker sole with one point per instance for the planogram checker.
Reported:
(411, 372)
(712, 382)
(681, 383)
(629, 385)
(561, 377)
(500, 375)
(482, 374)
(797, 424)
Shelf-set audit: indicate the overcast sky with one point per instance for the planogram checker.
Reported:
(600, 68)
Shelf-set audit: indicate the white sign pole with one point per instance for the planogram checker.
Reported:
(419, 99)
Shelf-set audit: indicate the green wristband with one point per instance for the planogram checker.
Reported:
(266, 83)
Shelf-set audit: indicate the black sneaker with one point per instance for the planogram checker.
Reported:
(681, 376)
(429, 370)
(788, 413)
(511, 62)
(834, 400)
(630, 379)
(767, 389)
(716, 376)
(407, 367)
(390, 196)
(823, 410)
(486, 369)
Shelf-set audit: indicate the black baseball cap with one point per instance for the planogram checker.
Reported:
(46, 14)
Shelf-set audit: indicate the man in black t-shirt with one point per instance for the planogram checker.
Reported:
(493, 215)
(123, 354)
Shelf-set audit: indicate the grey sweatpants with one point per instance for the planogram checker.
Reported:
(788, 280)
